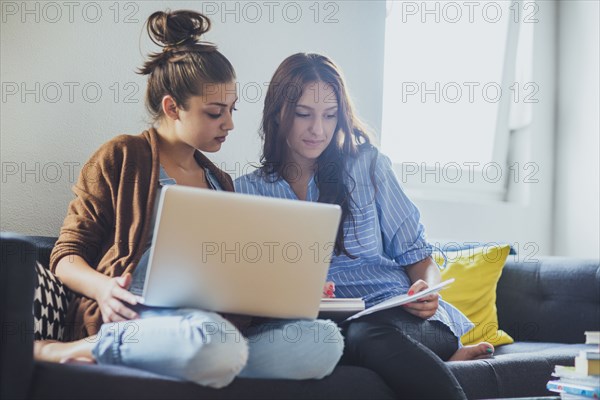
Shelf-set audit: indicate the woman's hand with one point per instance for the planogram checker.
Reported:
(111, 299)
(426, 306)
(328, 290)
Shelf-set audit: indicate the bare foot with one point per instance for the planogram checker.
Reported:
(476, 352)
(55, 351)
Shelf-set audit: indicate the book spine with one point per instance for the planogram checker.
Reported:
(591, 381)
(558, 386)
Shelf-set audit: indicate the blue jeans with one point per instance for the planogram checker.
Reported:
(205, 348)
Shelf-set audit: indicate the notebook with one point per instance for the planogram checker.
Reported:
(239, 253)
(402, 299)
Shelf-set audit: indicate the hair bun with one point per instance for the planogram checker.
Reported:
(177, 28)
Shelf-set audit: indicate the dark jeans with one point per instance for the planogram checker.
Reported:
(406, 351)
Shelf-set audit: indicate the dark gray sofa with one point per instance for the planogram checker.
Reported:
(545, 305)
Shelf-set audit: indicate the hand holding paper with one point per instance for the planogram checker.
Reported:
(402, 299)
(426, 306)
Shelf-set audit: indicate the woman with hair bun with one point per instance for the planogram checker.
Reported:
(104, 243)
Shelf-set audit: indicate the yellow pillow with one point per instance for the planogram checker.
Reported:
(473, 292)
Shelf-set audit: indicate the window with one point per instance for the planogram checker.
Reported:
(451, 96)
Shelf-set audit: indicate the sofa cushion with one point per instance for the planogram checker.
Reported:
(50, 301)
(74, 381)
(549, 299)
(517, 370)
(474, 292)
(567, 351)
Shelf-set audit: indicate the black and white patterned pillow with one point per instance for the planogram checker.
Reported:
(50, 301)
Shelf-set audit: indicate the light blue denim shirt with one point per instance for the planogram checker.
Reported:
(386, 236)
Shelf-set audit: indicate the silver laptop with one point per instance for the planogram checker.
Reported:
(237, 253)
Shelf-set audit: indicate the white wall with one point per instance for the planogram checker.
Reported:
(578, 131)
(39, 139)
(45, 140)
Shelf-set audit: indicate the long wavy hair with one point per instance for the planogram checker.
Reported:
(331, 175)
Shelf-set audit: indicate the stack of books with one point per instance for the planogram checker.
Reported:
(583, 380)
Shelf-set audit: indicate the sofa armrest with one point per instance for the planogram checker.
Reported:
(17, 280)
(552, 299)
(44, 246)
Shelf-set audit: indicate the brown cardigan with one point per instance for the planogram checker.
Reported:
(108, 221)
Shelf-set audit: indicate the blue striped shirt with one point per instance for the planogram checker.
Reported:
(386, 236)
